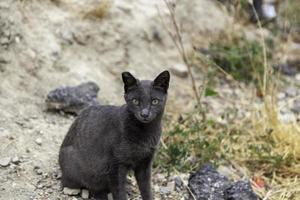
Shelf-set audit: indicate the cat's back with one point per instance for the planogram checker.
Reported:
(94, 122)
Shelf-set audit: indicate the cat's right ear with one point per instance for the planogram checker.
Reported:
(128, 80)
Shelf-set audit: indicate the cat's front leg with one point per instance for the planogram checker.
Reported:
(143, 177)
(118, 183)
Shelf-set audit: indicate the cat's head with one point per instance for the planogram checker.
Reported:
(146, 99)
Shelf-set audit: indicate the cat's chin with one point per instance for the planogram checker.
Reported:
(145, 121)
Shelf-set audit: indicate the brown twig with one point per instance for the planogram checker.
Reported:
(178, 42)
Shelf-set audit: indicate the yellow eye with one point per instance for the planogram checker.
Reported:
(154, 101)
(135, 101)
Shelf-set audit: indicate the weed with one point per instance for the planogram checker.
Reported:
(241, 58)
(99, 10)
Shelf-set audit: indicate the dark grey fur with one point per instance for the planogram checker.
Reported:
(105, 142)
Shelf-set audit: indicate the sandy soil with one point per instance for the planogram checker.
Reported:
(46, 44)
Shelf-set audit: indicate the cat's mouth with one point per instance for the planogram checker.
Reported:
(143, 120)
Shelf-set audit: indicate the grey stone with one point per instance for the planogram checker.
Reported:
(85, 194)
(73, 99)
(240, 191)
(180, 70)
(171, 186)
(207, 183)
(4, 162)
(297, 77)
(15, 160)
(296, 107)
(178, 181)
(38, 141)
(291, 91)
(165, 190)
(70, 191)
(38, 170)
(110, 197)
(281, 95)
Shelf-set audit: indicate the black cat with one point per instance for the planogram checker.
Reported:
(105, 142)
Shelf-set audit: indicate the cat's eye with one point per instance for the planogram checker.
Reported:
(155, 101)
(135, 102)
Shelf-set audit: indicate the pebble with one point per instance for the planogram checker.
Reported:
(180, 70)
(156, 188)
(57, 175)
(297, 77)
(169, 188)
(15, 160)
(160, 177)
(4, 162)
(287, 118)
(171, 185)
(38, 141)
(110, 197)
(281, 96)
(70, 191)
(38, 170)
(85, 194)
(178, 181)
(291, 91)
(296, 107)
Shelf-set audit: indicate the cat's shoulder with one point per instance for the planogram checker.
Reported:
(101, 109)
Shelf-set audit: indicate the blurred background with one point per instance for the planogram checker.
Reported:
(233, 99)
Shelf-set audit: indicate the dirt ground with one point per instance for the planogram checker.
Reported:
(47, 44)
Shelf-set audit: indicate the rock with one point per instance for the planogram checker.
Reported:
(57, 175)
(281, 95)
(37, 170)
(269, 11)
(296, 106)
(165, 190)
(110, 197)
(180, 70)
(156, 188)
(15, 160)
(38, 141)
(286, 117)
(171, 186)
(291, 91)
(240, 191)
(178, 181)
(160, 177)
(286, 69)
(207, 183)
(70, 191)
(297, 77)
(4, 162)
(84, 194)
(73, 99)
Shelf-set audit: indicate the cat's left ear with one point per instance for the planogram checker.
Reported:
(162, 81)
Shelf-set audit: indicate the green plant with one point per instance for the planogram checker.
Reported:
(240, 57)
(189, 145)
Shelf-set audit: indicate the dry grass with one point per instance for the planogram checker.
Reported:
(260, 147)
(99, 10)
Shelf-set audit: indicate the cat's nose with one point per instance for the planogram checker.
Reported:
(145, 113)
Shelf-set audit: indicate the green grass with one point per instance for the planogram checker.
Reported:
(241, 58)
